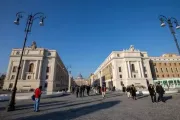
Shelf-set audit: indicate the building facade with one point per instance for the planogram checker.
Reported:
(40, 67)
(125, 67)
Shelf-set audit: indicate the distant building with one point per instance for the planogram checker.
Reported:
(39, 66)
(80, 81)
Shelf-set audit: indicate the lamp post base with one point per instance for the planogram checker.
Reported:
(11, 106)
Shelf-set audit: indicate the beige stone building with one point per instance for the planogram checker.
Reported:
(81, 81)
(39, 66)
(166, 66)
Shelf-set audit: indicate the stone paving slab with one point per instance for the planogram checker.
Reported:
(114, 107)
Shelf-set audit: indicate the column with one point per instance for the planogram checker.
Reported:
(129, 70)
(100, 79)
(40, 67)
(126, 65)
(9, 70)
(140, 71)
(36, 72)
(22, 72)
(69, 86)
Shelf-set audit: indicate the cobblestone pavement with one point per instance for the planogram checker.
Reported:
(114, 107)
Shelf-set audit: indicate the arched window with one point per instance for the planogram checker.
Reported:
(31, 67)
(132, 67)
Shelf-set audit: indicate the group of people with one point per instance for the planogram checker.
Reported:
(131, 91)
(80, 90)
(153, 91)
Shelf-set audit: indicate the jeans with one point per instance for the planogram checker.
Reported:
(153, 98)
(36, 104)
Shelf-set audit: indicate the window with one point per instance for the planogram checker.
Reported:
(156, 70)
(154, 64)
(31, 67)
(165, 64)
(15, 69)
(171, 70)
(166, 70)
(17, 53)
(159, 63)
(10, 85)
(119, 69)
(47, 69)
(161, 70)
(162, 75)
(176, 70)
(117, 55)
(167, 75)
(47, 77)
(178, 75)
(170, 64)
(145, 69)
(157, 75)
(173, 75)
(175, 64)
(132, 67)
(29, 77)
(12, 77)
(134, 76)
(120, 76)
(145, 75)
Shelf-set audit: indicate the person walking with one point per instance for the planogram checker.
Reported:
(133, 90)
(88, 89)
(103, 91)
(80, 91)
(37, 95)
(160, 91)
(128, 92)
(152, 92)
(77, 91)
(83, 90)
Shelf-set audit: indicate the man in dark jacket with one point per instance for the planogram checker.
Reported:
(88, 89)
(77, 91)
(152, 92)
(160, 91)
(133, 89)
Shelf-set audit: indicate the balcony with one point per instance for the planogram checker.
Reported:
(29, 75)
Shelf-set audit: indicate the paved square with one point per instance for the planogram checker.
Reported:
(114, 107)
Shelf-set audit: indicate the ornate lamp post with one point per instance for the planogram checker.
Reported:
(170, 22)
(28, 27)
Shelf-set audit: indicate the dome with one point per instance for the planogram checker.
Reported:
(79, 76)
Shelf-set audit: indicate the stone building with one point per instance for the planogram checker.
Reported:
(166, 70)
(80, 81)
(125, 67)
(39, 66)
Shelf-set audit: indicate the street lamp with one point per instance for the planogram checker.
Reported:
(29, 23)
(170, 22)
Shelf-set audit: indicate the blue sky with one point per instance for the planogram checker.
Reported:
(84, 32)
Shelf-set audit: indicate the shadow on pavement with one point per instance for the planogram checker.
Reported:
(73, 113)
(167, 97)
(142, 96)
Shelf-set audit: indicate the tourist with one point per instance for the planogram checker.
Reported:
(160, 91)
(81, 90)
(152, 92)
(124, 89)
(37, 95)
(103, 91)
(133, 90)
(128, 91)
(88, 89)
(77, 91)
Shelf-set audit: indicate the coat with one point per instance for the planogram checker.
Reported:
(151, 90)
(160, 89)
(133, 90)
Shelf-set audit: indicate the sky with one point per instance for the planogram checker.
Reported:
(85, 32)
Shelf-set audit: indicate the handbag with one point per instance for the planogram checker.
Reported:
(33, 97)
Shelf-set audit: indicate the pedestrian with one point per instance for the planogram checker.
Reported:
(83, 90)
(77, 91)
(124, 89)
(152, 92)
(103, 91)
(37, 95)
(133, 90)
(160, 91)
(88, 89)
(80, 91)
(73, 89)
(128, 91)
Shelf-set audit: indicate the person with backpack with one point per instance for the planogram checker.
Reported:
(37, 96)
